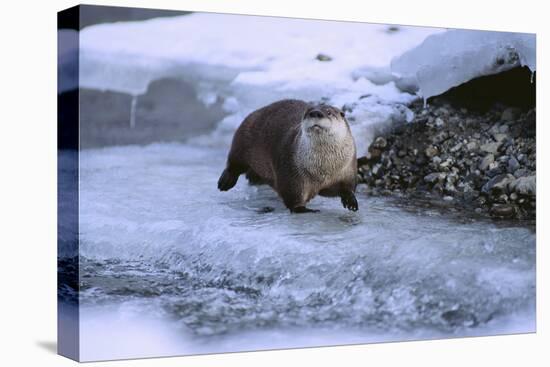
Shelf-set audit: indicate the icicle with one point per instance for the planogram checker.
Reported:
(425, 102)
(532, 76)
(133, 111)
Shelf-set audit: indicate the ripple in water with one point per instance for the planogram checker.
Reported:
(162, 248)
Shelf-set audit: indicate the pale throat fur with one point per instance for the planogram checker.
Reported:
(315, 145)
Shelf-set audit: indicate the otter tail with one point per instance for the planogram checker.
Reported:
(227, 180)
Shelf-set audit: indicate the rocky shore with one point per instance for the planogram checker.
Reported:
(482, 161)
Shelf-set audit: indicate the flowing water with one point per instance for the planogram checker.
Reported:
(170, 265)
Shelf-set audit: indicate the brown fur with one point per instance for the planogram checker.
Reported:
(274, 146)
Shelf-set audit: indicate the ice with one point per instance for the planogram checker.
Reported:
(449, 59)
(210, 267)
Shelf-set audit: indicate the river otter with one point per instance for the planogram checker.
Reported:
(299, 149)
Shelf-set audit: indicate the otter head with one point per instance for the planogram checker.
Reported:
(325, 122)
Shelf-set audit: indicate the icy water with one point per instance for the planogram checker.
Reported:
(170, 265)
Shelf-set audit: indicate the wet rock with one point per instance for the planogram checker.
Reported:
(503, 210)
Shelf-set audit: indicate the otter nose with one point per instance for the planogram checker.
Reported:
(316, 114)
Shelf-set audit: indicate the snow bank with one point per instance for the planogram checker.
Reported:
(251, 61)
(449, 59)
(263, 50)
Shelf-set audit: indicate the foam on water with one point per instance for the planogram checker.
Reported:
(158, 238)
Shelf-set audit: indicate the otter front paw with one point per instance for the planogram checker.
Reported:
(303, 209)
(349, 201)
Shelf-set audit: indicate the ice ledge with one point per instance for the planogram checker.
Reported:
(446, 60)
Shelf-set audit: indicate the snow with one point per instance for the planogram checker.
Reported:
(251, 61)
(261, 50)
(449, 59)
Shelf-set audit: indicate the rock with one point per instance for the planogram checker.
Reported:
(373, 154)
(361, 161)
(513, 164)
(524, 185)
(433, 177)
(509, 114)
(456, 148)
(494, 169)
(499, 137)
(379, 143)
(476, 159)
(440, 137)
(472, 146)
(498, 184)
(490, 147)
(521, 172)
(323, 57)
(504, 129)
(486, 161)
(377, 170)
(503, 210)
(431, 151)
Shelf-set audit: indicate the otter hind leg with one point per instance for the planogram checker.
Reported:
(255, 179)
(294, 199)
(303, 209)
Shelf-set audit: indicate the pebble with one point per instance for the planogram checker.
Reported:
(486, 161)
(490, 147)
(430, 151)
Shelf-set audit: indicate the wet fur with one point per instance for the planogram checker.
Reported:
(273, 145)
